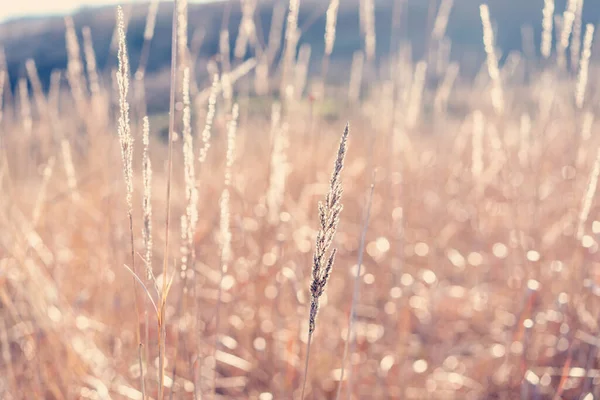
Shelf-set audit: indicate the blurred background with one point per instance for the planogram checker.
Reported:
(160, 229)
(27, 28)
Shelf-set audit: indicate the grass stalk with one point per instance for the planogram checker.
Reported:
(323, 258)
(126, 140)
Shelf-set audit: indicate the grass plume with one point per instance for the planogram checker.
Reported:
(324, 258)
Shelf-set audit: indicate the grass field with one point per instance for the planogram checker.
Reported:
(185, 255)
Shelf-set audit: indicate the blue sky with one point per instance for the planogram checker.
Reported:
(20, 8)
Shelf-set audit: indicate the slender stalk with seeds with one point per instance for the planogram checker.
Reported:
(225, 230)
(332, 13)
(567, 29)
(441, 20)
(247, 29)
(274, 42)
(147, 203)
(74, 65)
(369, 27)
(182, 33)
(90, 61)
(191, 191)
(36, 85)
(576, 36)
(25, 109)
(210, 115)
(492, 60)
(323, 258)
(126, 140)
(148, 35)
(547, 26)
(582, 79)
(292, 35)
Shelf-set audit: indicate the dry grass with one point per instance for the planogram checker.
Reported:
(477, 278)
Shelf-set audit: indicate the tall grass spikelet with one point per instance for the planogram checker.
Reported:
(492, 60)
(246, 31)
(547, 26)
(191, 191)
(582, 78)
(114, 41)
(90, 61)
(36, 85)
(231, 138)
(147, 201)
(275, 32)
(567, 28)
(124, 130)
(147, 225)
(25, 109)
(370, 38)
(182, 32)
(289, 53)
(323, 258)
(224, 50)
(126, 140)
(292, 19)
(210, 115)
(149, 29)
(74, 65)
(441, 21)
(330, 23)
(151, 20)
(225, 229)
(576, 36)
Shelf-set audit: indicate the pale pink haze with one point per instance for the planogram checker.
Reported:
(24, 8)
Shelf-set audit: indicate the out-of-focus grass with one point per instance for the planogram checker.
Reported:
(475, 283)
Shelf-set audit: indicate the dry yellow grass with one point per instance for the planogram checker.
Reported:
(479, 278)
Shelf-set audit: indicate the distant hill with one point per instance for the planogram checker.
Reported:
(43, 39)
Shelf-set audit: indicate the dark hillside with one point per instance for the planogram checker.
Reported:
(43, 38)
